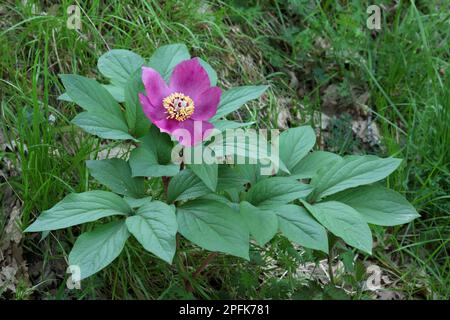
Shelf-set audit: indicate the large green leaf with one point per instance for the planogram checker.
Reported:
(352, 171)
(234, 98)
(313, 162)
(136, 203)
(165, 58)
(343, 221)
(263, 224)
(295, 143)
(119, 64)
(96, 249)
(212, 74)
(103, 125)
(231, 178)
(136, 119)
(186, 185)
(155, 227)
(65, 97)
(116, 175)
(378, 205)
(247, 147)
(251, 172)
(213, 226)
(115, 91)
(153, 156)
(90, 95)
(277, 190)
(299, 227)
(78, 208)
(208, 173)
(222, 199)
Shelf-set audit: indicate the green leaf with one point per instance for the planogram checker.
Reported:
(234, 197)
(186, 185)
(153, 157)
(231, 178)
(136, 119)
(251, 172)
(263, 224)
(65, 97)
(343, 221)
(103, 125)
(213, 226)
(116, 175)
(309, 165)
(208, 173)
(165, 58)
(378, 205)
(277, 190)
(136, 203)
(116, 92)
(219, 198)
(118, 65)
(295, 143)
(234, 98)
(299, 227)
(212, 74)
(155, 227)
(90, 95)
(352, 171)
(78, 208)
(247, 147)
(96, 249)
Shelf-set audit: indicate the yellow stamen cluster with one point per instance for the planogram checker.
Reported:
(178, 106)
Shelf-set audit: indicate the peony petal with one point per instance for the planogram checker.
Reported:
(206, 104)
(155, 86)
(153, 113)
(189, 78)
(191, 132)
(167, 125)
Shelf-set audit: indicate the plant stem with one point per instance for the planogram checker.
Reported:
(180, 265)
(187, 282)
(330, 268)
(204, 264)
(331, 242)
(165, 181)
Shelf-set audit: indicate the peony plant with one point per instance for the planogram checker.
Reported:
(169, 106)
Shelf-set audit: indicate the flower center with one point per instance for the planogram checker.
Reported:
(178, 106)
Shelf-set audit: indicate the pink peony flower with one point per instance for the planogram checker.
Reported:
(183, 107)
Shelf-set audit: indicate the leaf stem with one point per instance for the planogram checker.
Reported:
(165, 181)
(330, 268)
(331, 242)
(204, 264)
(188, 283)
